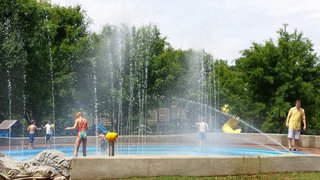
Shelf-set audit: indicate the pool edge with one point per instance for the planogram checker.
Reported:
(97, 167)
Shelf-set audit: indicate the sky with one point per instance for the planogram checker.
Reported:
(220, 27)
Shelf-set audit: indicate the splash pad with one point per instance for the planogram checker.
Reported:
(185, 158)
(142, 165)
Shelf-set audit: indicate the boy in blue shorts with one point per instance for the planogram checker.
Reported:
(32, 131)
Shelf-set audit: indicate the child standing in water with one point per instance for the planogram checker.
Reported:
(49, 131)
(103, 143)
(202, 128)
(32, 131)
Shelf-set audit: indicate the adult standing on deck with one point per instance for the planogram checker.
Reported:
(295, 116)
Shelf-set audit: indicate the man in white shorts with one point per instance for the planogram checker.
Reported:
(295, 116)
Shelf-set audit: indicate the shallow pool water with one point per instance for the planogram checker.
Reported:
(163, 150)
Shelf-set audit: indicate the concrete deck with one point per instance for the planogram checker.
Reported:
(98, 167)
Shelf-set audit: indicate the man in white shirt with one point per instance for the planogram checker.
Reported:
(49, 131)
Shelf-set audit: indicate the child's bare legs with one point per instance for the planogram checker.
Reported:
(31, 139)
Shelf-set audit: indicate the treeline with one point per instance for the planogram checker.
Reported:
(52, 66)
(267, 79)
(42, 49)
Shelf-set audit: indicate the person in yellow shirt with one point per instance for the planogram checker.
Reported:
(295, 116)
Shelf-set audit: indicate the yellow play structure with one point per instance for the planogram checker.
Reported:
(231, 125)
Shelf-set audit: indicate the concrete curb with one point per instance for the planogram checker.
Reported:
(101, 167)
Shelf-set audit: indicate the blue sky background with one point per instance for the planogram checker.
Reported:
(221, 27)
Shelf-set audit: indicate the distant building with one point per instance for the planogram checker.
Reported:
(106, 122)
(167, 115)
(12, 128)
(168, 120)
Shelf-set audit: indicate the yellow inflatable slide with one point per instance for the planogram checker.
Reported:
(231, 125)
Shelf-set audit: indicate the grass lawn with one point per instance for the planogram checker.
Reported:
(281, 176)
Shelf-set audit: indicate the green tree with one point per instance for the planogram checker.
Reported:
(277, 74)
(168, 73)
(40, 42)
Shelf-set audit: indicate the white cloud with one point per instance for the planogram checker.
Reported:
(221, 27)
